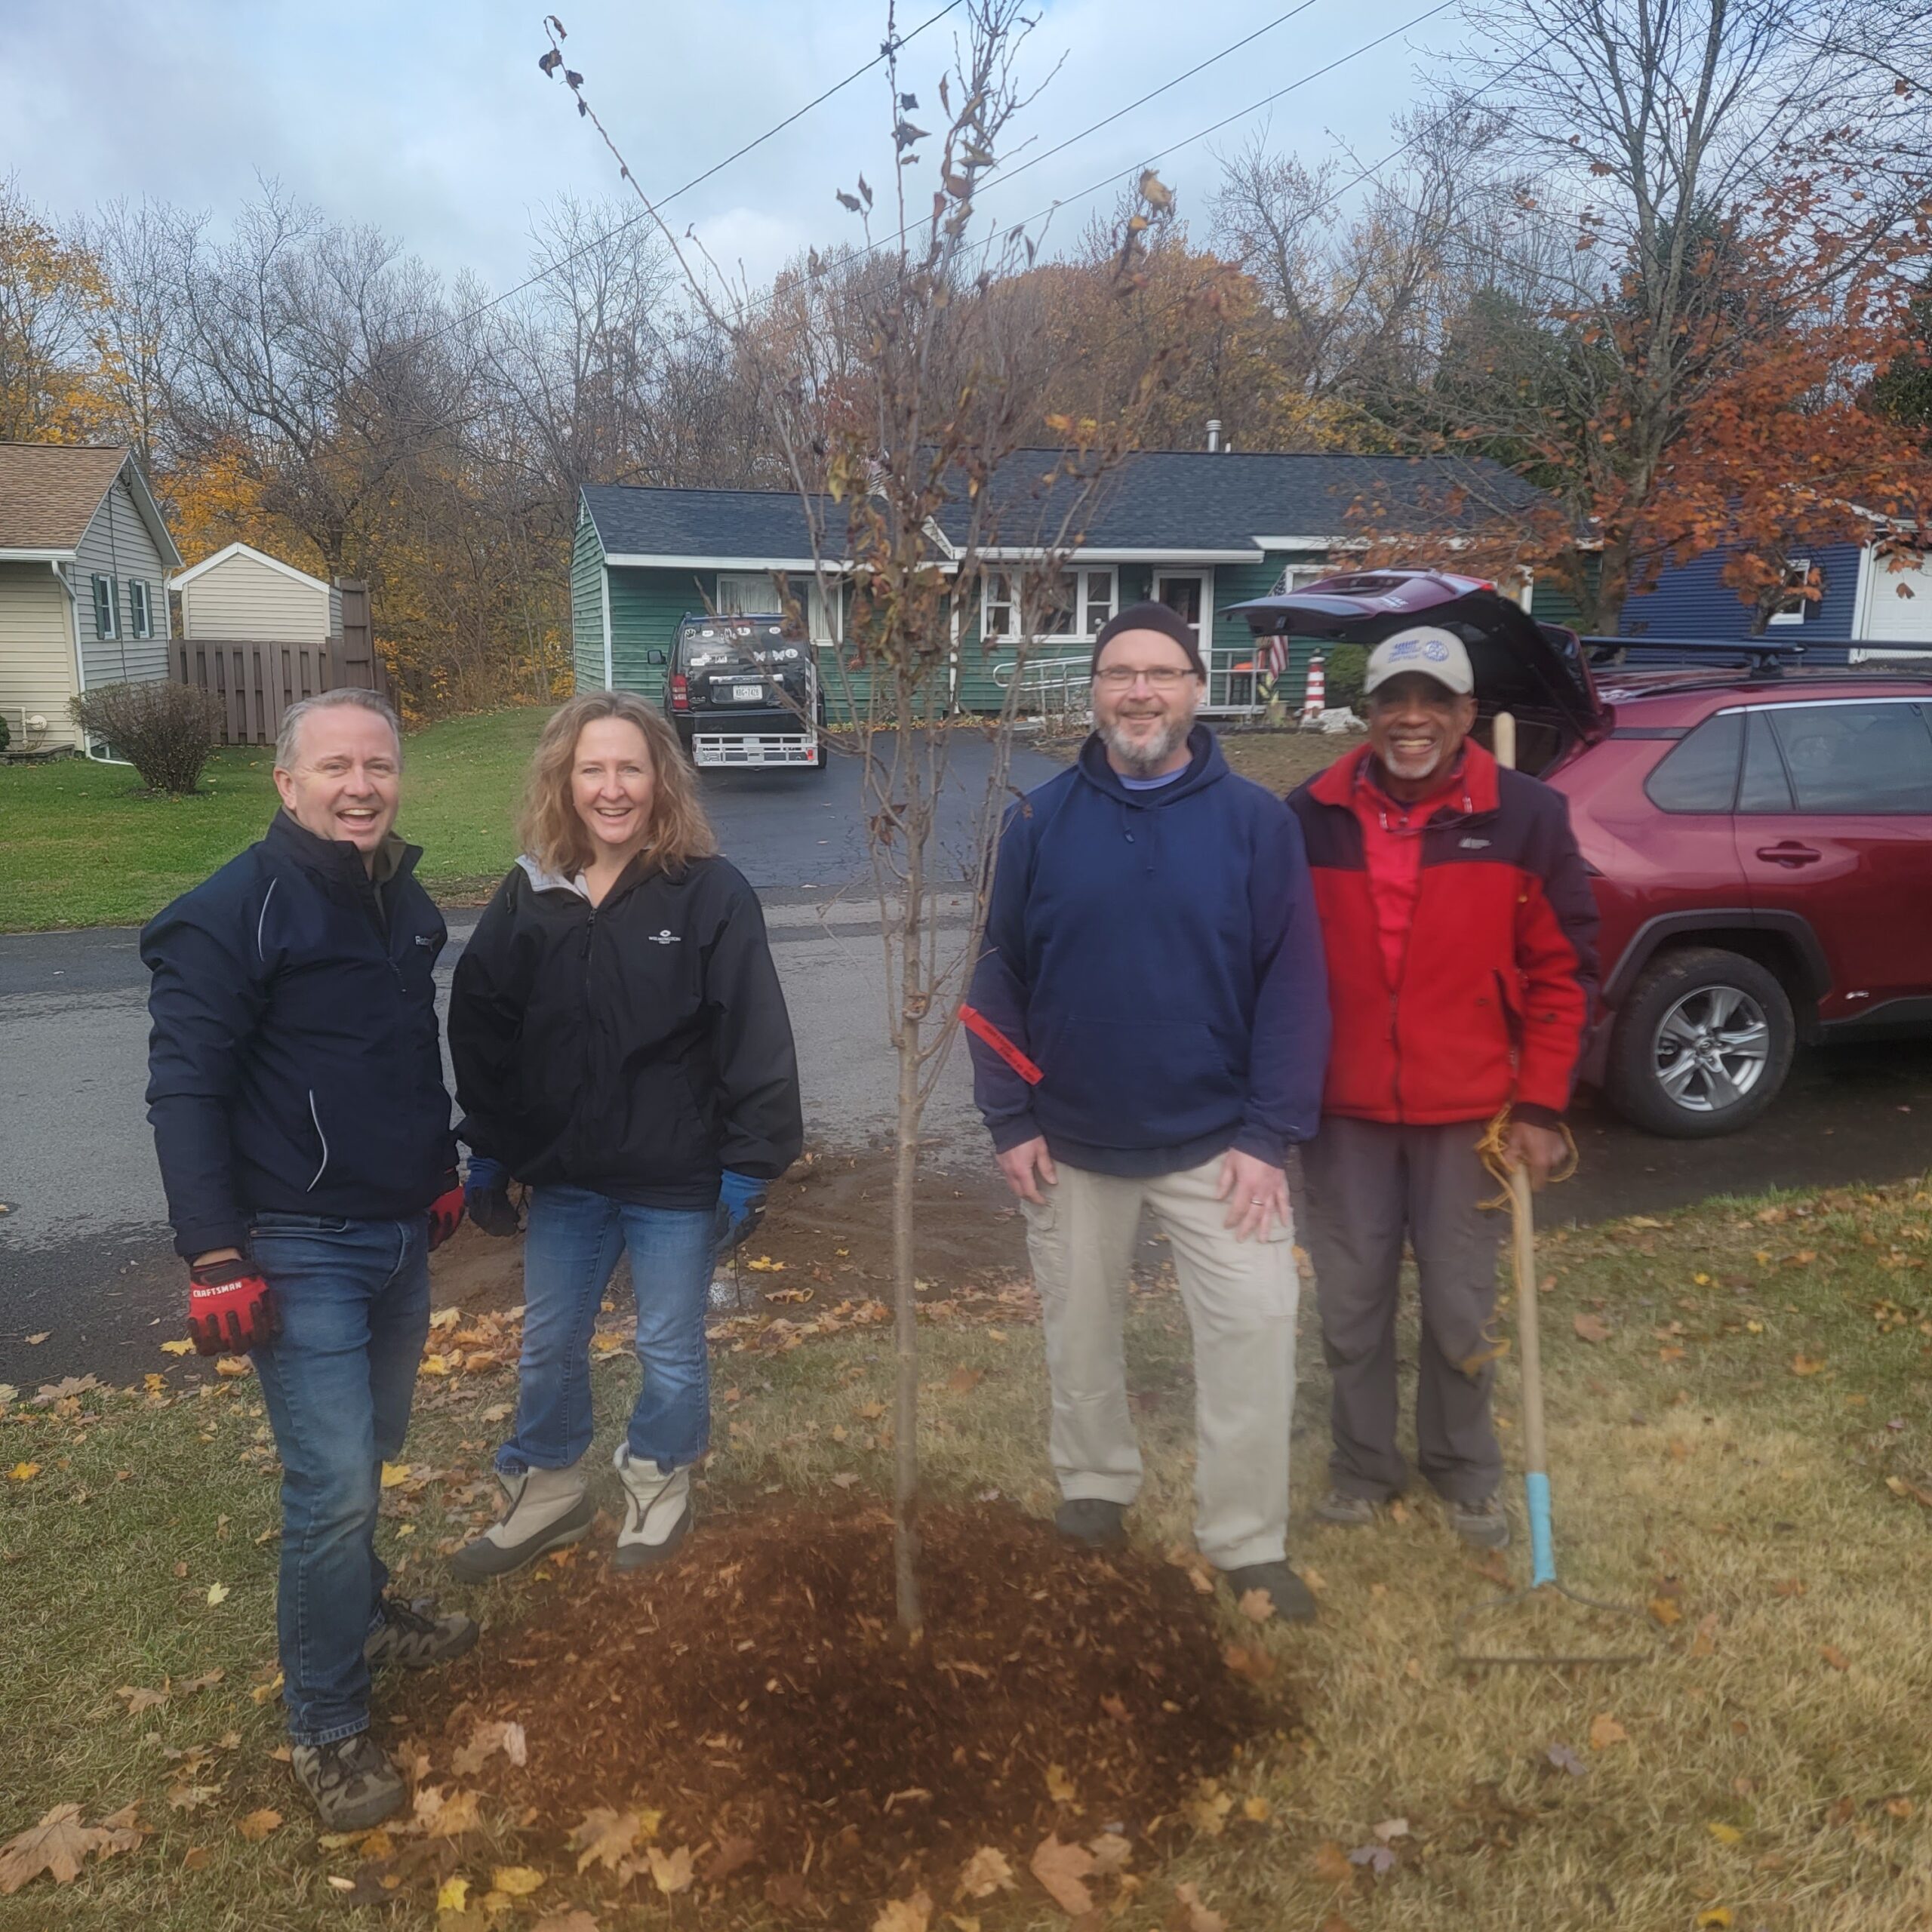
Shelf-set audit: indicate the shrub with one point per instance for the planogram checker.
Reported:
(1345, 666)
(165, 729)
(6, 737)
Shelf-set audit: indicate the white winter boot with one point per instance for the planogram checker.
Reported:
(547, 1509)
(657, 1510)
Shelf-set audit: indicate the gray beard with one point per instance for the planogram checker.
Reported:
(1139, 761)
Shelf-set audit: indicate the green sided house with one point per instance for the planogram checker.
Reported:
(1196, 529)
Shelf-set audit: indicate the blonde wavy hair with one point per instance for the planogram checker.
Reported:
(548, 827)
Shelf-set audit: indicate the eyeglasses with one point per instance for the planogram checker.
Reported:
(1160, 677)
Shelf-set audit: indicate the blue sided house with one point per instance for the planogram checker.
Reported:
(1865, 596)
(1198, 530)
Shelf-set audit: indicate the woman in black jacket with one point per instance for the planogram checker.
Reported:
(622, 1046)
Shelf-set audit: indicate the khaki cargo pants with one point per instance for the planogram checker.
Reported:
(1370, 1186)
(1240, 1298)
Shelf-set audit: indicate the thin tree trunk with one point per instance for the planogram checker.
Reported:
(905, 1172)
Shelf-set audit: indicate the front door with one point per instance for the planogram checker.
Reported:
(1185, 592)
(1835, 823)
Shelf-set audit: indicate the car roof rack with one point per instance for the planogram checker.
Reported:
(1762, 657)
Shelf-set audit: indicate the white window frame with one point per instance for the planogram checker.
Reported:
(106, 603)
(1799, 567)
(824, 619)
(998, 591)
(140, 608)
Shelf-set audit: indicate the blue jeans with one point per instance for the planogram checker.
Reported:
(355, 1302)
(570, 1252)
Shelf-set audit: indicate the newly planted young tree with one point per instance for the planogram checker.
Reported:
(934, 494)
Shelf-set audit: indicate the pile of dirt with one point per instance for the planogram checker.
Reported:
(756, 1694)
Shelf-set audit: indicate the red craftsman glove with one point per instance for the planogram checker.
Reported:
(446, 1212)
(231, 1309)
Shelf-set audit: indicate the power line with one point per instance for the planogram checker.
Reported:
(741, 312)
(1241, 113)
(777, 127)
(1034, 161)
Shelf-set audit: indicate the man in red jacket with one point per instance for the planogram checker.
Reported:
(1459, 929)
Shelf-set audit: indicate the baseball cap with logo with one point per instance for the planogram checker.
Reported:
(1428, 648)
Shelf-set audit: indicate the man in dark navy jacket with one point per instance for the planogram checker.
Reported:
(1149, 1025)
(296, 1089)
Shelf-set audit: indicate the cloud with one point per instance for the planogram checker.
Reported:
(430, 119)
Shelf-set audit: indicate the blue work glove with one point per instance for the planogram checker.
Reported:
(486, 1197)
(741, 1207)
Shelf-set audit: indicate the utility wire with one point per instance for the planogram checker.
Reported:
(777, 127)
(740, 313)
(1107, 121)
(1241, 114)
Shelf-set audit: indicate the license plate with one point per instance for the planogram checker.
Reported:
(747, 693)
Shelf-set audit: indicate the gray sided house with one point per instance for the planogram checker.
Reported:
(84, 561)
(1197, 529)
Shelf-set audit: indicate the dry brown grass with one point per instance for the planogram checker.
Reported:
(1772, 1763)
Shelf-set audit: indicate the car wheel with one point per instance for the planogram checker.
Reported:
(1701, 1046)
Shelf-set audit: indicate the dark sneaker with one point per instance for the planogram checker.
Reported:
(1483, 1524)
(411, 1634)
(1279, 1584)
(1344, 1511)
(1093, 1520)
(351, 1783)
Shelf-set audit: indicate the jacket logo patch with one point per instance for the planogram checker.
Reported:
(665, 937)
(425, 939)
(1474, 845)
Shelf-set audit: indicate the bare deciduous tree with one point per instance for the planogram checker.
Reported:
(912, 445)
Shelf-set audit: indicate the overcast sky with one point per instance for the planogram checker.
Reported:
(430, 118)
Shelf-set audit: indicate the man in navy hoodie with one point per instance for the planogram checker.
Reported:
(1149, 1028)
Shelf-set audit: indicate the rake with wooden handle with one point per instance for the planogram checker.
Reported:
(1515, 1180)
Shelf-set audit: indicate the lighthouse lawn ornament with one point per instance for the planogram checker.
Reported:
(1315, 692)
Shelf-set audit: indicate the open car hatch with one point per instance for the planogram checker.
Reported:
(1520, 665)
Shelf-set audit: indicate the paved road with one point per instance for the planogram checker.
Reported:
(83, 1250)
(84, 1253)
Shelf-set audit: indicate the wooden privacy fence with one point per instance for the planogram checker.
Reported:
(257, 681)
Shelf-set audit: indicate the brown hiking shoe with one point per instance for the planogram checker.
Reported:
(351, 1782)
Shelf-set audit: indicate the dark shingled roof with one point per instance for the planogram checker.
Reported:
(1157, 499)
(635, 521)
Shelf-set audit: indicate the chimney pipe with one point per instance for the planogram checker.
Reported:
(1214, 433)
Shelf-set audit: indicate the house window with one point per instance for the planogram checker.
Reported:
(106, 623)
(1081, 603)
(140, 609)
(1793, 606)
(1001, 617)
(747, 594)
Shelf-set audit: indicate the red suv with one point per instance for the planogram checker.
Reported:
(1760, 837)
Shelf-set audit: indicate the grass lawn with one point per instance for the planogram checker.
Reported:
(1282, 760)
(80, 845)
(1737, 1404)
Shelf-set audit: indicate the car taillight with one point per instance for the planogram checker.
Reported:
(681, 691)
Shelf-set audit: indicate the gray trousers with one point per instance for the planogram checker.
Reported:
(1369, 1185)
(1240, 1297)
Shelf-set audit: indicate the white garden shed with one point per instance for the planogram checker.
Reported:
(243, 595)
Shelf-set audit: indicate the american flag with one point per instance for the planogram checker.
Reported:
(1275, 656)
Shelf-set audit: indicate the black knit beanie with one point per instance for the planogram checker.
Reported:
(1152, 617)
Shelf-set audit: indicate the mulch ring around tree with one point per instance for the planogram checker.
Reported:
(752, 1704)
